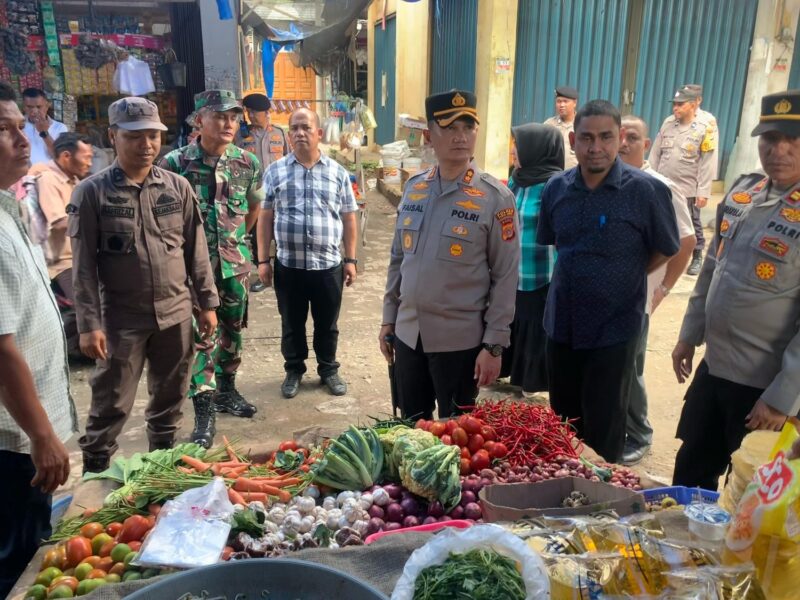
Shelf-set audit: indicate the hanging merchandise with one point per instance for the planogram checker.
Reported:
(172, 72)
(133, 77)
(93, 53)
(332, 130)
(366, 115)
(15, 54)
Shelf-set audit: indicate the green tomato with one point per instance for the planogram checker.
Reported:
(148, 573)
(132, 576)
(60, 591)
(119, 552)
(46, 576)
(129, 557)
(82, 570)
(36, 592)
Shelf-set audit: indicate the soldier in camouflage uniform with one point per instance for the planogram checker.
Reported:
(227, 180)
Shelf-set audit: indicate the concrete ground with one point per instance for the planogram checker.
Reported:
(364, 368)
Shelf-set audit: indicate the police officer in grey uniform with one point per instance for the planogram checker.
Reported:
(703, 116)
(685, 151)
(452, 277)
(746, 308)
(139, 257)
(564, 120)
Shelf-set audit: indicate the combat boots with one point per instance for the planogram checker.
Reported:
(204, 419)
(696, 264)
(95, 463)
(229, 400)
(165, 444)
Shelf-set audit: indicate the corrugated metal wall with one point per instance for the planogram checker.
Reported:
(568, 42)
(695, 41)
(454, 40)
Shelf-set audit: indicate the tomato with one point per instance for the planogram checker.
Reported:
(134, 528)
(466, 468)
(105, 564)
(472, 425)
(465, 453)
(499, 450)
(450, 427)
(46, 576)
(88, 512)
(60, 591)
(118, 553)
(71, 582)
(53, 558)
(78, 548)
(36, 592)
(92, 560)
(460, 437)
(117, 569)
(113, 578)
(134, 545)
(488, 433)
(479, 461)
(96, 574)
(100, 540)
(488, 446)
(82, 570)
(476, 443)
(92, 529)
(447, 440)
(106, 549)
(437, 428)
(112, 529)
(288, 445)
(423, 424)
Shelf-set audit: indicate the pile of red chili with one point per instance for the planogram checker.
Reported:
(529, 431)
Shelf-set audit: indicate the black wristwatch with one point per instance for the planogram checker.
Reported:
(43, 134)
(494, 349)
(350, 261)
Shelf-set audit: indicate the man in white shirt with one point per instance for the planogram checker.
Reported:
(40, 129)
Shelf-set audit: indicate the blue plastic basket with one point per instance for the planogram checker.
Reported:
(681, 494)
(59, 507)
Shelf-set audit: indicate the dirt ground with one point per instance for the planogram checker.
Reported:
(364, 368)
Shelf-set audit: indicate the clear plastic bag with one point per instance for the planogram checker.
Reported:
(438, 550)
(191, 530)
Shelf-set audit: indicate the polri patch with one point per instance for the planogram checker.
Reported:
(742, 197)
(505, 217)
(456, 250)
(474, 192)
(460, 230)
(765, 270)
(773, 245)
(420, 186)
(407, 241)
(791, 214)
(724, 226)
(794, 197)
(468, 176)
(126, 212)
(415, 197)
(468, 204)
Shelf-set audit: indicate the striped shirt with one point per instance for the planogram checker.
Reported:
(308, 205)
(29, 313)
(536, 261)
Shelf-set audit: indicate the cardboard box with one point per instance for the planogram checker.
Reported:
(514, 501)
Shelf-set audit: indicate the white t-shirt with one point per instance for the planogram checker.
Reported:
(685, 229)
(39, 152)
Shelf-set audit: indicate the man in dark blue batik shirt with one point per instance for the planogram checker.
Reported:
(611, 225)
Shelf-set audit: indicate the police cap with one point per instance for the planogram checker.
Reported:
(257, 102)
(780, 112)
(446, 107)
(684, 94)
(565, 91)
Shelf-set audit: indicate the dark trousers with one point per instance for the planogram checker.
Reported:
(296, 290)
(64, 282)
(422, 378)
(593, 387)
(698, 224)
(254, 241)
(639, 432)
(24, 518)
(711, 428)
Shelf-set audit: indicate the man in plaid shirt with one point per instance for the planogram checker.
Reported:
(309, 208)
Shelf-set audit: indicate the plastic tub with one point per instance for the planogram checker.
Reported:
(707, 521)
(412, 164)
(391, 169)
(429, 528)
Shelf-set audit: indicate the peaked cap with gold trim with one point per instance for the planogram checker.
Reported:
(446, 107)
(780, 112)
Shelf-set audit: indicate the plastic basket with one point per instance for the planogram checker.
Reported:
(681, 494)
(59, 507)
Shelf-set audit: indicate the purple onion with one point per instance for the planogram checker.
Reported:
(392, 526)
(410, 506)
(394, 490)
(429, 520)
(457, 512)
(471, 484)
(395, 513)
(410, 521)
(375, 525)
(467, 498)
(435, 509)
(473, 511)
(376, 512)
(445, 518)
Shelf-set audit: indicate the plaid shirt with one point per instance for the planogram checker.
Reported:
(537, 261)
(308, 205)
(29, 313)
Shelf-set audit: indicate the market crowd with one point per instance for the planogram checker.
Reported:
(550, 279)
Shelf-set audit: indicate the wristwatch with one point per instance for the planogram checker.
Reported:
(494, 349)
(350, 261)
(43, 134)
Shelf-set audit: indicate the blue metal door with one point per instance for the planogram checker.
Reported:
(695, 41)
(794, 73)
(454, 42)
(385, 52)
(580, 43)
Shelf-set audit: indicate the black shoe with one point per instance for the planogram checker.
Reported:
(696, 264)
(335, 384)
(291, 385)
(161, 444)
(204, 419)
(257, 286)
(634, 454)
(229, 400)
(95, 463)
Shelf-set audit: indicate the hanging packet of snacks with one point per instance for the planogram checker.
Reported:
(766, 526)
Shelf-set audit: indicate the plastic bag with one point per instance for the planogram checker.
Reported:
(713, 583)
(754, 450)
(582, 576)
(191, 530)
(437, 551)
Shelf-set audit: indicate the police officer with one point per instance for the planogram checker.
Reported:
(564, 120)
(228, 184)
(746, 308)
(452, 277)
(685, 151)
(137, 242)
(266, 141)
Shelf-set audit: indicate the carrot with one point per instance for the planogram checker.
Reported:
(229, 449)
(253, 496)
(232, 463)
(235, 497)
(196, 463)
(242, 484)
(233, 472)
(278, 483)
(186, 470)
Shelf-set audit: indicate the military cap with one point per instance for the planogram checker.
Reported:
(566, 91)
(780, 112)
(696, 88)
(446, 107)
(216, 100)
(256, 102)
(133, 113)
(684, 94)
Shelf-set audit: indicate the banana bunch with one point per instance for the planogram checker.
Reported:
(353, 461)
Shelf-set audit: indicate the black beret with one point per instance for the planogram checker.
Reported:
(566, 91)
(446, 107)
(256, 102)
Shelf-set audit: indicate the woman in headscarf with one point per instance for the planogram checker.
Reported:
(538, 155)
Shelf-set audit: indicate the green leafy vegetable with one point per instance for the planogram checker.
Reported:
(249, 522)
(475, 575)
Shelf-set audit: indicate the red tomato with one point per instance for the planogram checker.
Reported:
(461, 420)
(96, 574)
(488, 433)
(135, 545)
(472, 425)
(92, 529)
(423, 424)
(476, 443)
(78, 548)
(112, 529)
(134, 528)
(465, 453)
(447, 440)
(105, 549)
(460, 437)
(450, 426)
(437, 428)
(466, 468)
(488, 446)
(479, 461)
(288, 445)
(499, 450)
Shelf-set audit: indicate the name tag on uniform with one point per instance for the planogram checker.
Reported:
(166, 209)
(126, 212)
